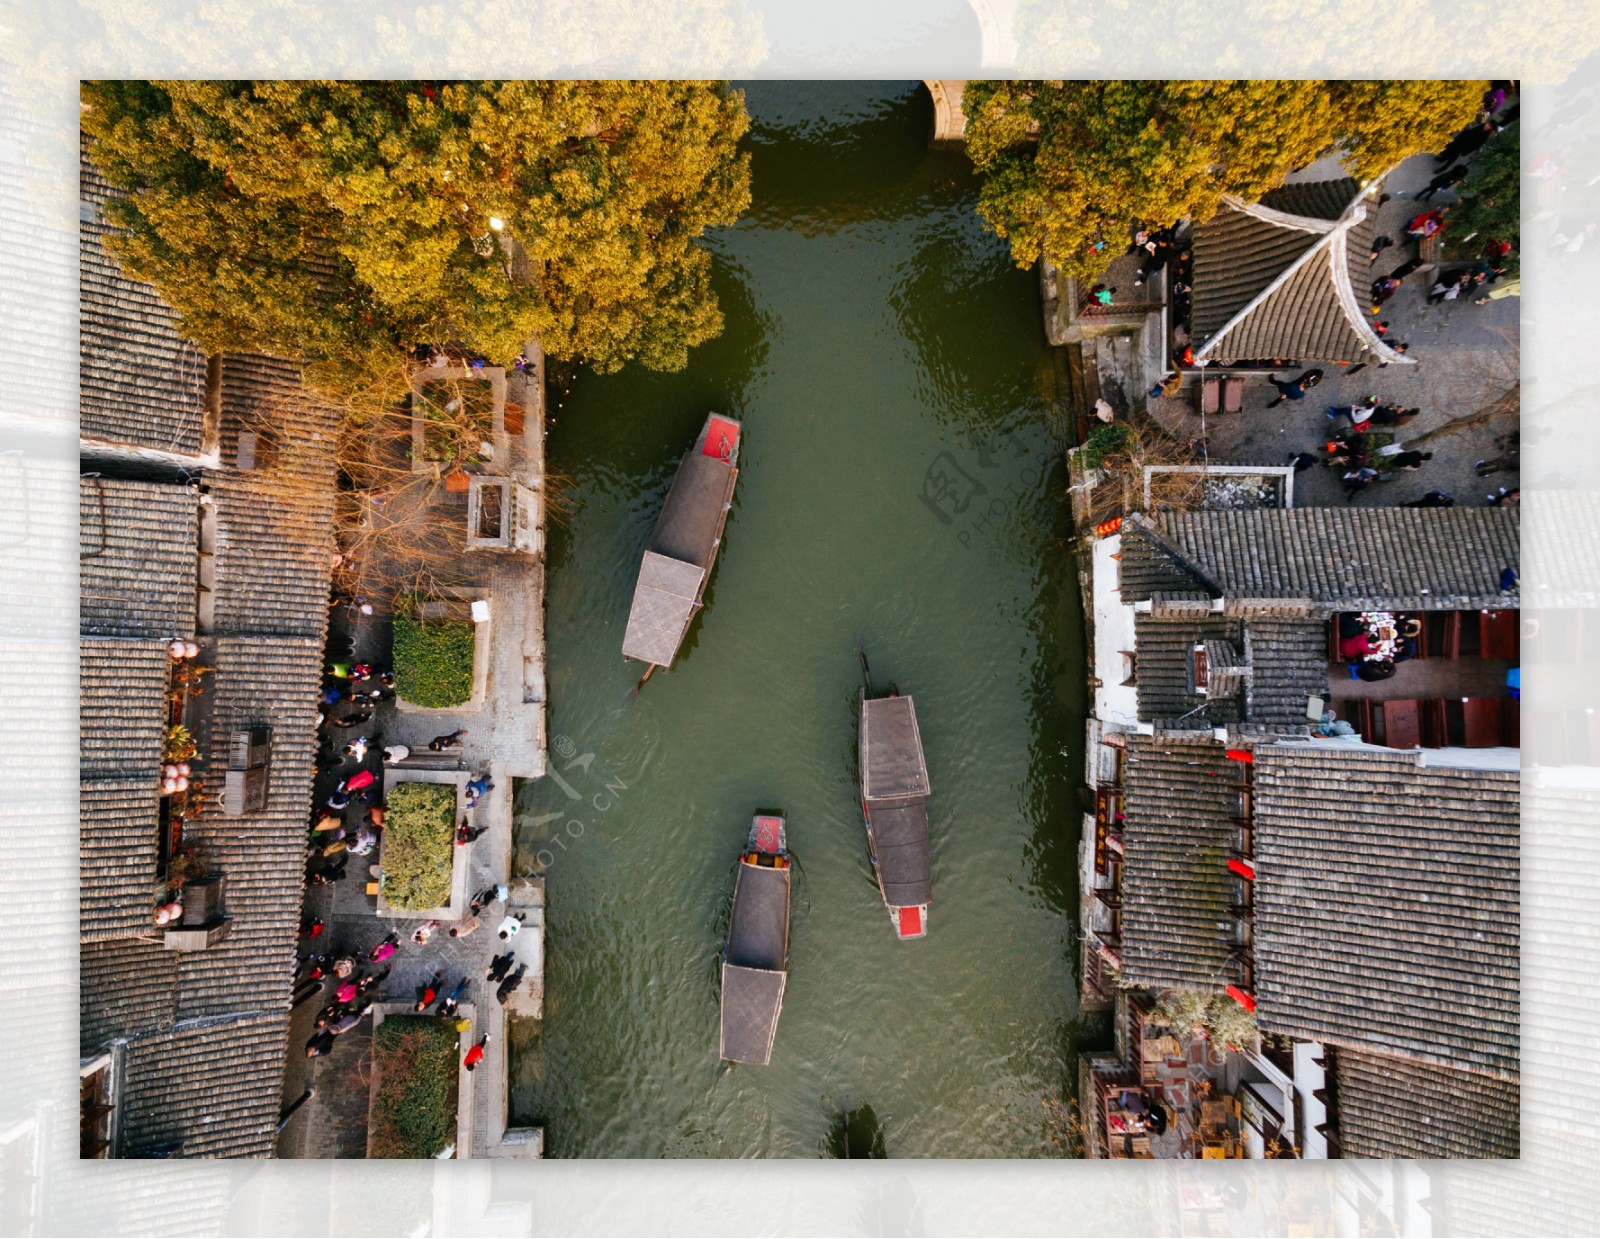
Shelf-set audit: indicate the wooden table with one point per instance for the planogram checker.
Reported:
(1402, 724)
(1481, 719)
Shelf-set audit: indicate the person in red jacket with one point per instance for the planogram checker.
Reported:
(475, 1054)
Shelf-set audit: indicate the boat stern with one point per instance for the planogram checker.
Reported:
(910, 922)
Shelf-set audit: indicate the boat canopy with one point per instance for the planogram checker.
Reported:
(679, 558)
(753, 975)
(892, 766)
(905, 865)
(894, 792)
(751, 1000)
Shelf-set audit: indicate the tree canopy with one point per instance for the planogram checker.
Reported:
(342, 220)
(1068, 165)
(1490, 206)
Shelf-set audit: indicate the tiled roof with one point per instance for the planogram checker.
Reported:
(1326, 559)
(1285, 278)
(122, 708)
(205, 1089)
(126, 988)
(1163, 669)
(1326, 200)
(117, 856)
(137, 554)
(1387, 904)
(1177, 838)
(1288, 662)
(1397, 1107)
(272, 681)
(141, 384)
(274, 524)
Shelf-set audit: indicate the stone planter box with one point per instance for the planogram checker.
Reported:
(481, 655)
(464, 1078)
(459, 856)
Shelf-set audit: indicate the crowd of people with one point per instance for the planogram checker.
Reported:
(348, 819)
(356, 979)
(1373, 643)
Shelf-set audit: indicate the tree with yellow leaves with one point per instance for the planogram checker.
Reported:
(339, 222)
(1068, 166)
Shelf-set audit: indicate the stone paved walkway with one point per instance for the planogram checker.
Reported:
(506, 738)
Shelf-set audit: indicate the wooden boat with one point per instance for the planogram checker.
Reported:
(755, 962)
(894, 802)
(678, 562)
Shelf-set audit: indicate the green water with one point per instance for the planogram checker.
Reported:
(875, 333)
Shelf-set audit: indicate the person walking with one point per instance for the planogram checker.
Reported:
(467, 833)
(357, 781)
(1448, 179)
(371, 980)
(447, 1008)
(429, 990)
(320, 1043)
(363, 842)
(1357, 480)
(423, 932)
(1295, 389)
(1359, 414)
(509, 928)
(1433, 499)
(384, 949)
(357, 748)
(346, 993)
(1392, 415)
(500, 965)
(452, 741)
(475, 1054)
(1410, 461)
(353, 720)
(509, 985)
(394, 754)
(1302, 461)
(465, 926)
(485, 897)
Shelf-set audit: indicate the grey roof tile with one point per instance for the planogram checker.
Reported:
(1327, 559)
(117, 856)
(138, 543)
(1177, 837)
(1286, 278)
(122, 707)
(1388, 1106)
(1387, 911)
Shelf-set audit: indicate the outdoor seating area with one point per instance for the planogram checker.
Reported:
(1432, 679)
(1176, 1097)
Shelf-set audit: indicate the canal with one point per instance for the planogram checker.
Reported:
(901, 487)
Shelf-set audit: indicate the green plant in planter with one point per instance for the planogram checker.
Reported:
(419, 833)
(413, 1109)
(1106, 441)
(432, 658)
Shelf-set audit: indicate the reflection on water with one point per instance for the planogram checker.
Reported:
(899, 489)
